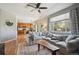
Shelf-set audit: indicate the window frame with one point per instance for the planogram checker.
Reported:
(60, 31)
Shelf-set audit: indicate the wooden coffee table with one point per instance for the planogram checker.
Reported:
(47, 45)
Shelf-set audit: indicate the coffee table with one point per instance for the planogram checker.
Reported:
(47, 45)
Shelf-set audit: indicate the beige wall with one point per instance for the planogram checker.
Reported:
(7, 32)
(42, 21)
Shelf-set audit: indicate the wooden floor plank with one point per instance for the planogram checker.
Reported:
(10, 48)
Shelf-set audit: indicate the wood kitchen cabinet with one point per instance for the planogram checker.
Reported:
(25, 25)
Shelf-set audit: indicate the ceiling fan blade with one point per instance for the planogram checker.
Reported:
(30, 5)
(32, 10)
(42, 7)
(38, 4)
(39, 11)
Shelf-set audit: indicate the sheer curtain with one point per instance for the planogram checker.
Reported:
(74, 16)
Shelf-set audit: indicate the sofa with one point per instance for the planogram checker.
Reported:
(69, 45)
(37, 35)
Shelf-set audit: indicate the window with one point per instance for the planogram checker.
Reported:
(60, 23)
(61, 26)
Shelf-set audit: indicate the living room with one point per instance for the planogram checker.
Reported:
(31, 26)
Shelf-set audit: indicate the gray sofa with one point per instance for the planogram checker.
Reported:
(37, 35)
(68, 45)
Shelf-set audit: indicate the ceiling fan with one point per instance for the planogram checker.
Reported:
(36, 6)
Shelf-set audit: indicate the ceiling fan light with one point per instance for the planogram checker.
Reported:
(42, 7)
(39, 11)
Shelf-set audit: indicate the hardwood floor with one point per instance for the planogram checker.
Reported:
(32, 50)
(10, 47)
(21, 47)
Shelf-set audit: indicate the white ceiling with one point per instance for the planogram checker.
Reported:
(21, 12)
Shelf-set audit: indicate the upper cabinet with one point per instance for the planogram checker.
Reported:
(25, 25)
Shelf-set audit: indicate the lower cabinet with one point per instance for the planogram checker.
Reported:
(2, 48)
(8, 48)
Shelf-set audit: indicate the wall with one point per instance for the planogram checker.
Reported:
(42, 21)
(74, 16)
(23, 19)
(7, 32)
(63, 11)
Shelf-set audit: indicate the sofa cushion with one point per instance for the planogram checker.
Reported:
(62, 43)
(52, 41)
(70, 37)
(54, 38)
(60, 38)
(43, 34)
(36, 35)
(49, 34)
(40, 33)
(72, 45)
(62, 46)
